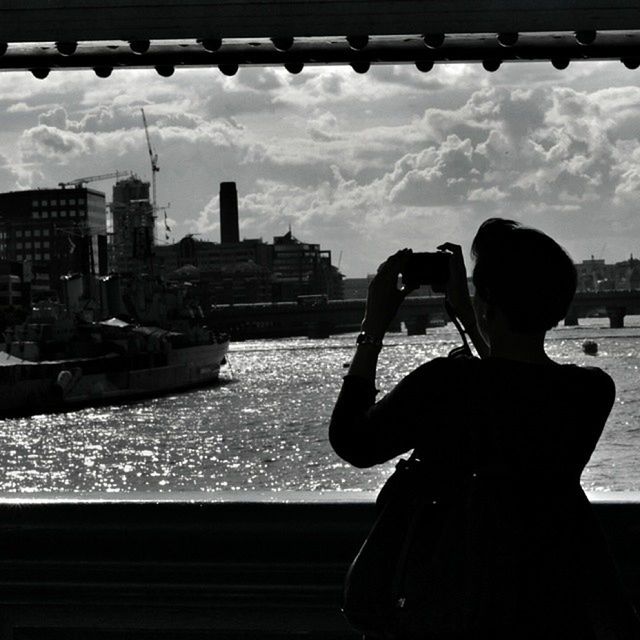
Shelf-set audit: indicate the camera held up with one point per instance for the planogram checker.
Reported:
(427, 268)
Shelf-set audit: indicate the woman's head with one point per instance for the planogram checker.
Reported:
(524, 273)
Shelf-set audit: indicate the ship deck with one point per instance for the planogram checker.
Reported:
(224, 566)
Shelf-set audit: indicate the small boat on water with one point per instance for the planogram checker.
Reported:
(65, 356)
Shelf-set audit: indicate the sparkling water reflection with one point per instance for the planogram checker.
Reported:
(265, 425)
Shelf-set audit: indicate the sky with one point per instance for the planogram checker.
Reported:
(361, 164)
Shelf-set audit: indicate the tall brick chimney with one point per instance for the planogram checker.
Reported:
(229, 230)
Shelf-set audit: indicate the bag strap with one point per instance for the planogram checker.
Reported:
(464, 349)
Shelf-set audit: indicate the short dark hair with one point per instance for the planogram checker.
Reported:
(524, 272)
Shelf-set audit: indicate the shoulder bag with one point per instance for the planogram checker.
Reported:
(438, 559)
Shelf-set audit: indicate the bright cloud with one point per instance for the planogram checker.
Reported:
(362, 164)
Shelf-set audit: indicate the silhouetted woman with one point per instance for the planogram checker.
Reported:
(512, 407)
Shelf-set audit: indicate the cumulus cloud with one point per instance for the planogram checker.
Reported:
(324, 127)
(47, 142)
(438, 176)
(547, 155)
(12, 174)
(22, 107)
(56, 117)
(357, 163)
(207, 222)
(262, 79)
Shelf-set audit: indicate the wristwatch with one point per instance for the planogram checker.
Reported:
(367, 338)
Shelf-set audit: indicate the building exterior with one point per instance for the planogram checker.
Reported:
(240, 271)
(224, 273)
(57, 231)
(301, 268)
(133, 224)
(592, 274)
(229, 228)
(208, 255)
(597, 275)
(11, 287)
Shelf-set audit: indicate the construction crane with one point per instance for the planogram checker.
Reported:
(79, 183)
(153, 157)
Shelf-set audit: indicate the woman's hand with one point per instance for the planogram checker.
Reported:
(384, 297)
(457, 289)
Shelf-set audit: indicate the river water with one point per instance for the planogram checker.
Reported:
(264, 427)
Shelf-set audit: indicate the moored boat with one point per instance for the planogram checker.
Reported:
(63, 358)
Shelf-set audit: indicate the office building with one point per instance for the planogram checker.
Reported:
(133, 222)
(57, 231)
(302, 268)
(11, 287)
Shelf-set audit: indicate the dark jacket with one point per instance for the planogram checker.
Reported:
(538, 424)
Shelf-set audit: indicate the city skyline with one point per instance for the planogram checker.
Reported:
(361, 164)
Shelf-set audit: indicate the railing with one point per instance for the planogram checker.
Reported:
(247, 566)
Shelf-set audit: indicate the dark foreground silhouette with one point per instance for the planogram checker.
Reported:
(529, 422)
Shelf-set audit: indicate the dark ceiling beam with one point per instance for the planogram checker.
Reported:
(484, 48)
(43, 35)
(140, 20)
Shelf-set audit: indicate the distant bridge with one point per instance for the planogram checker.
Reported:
(613, 304)
(318, 319)
(321, 318)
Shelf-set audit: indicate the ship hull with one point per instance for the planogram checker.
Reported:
(31, 388)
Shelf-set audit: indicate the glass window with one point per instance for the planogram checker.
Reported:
(36, 245)
(54, 214)
(37, 257)
(36, 232)
(27, 245)
(27, 233)
(19, 256)
(19, 233)
(35, 214)
(44, 203)
(18, 245)
(63, 202)
(47, 256)
(63, 213)
(45, 244)
(45, 214)
(45, 232)
(34, 203)
(72, 201)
